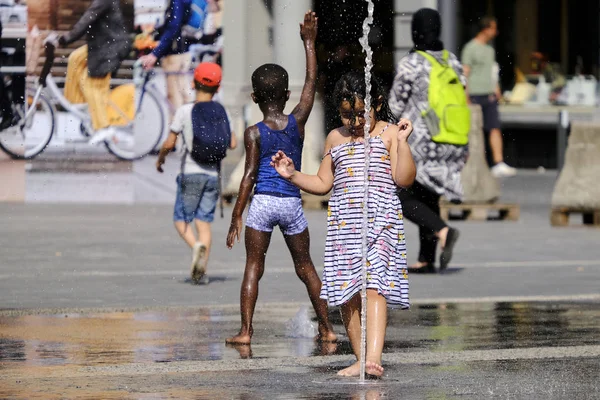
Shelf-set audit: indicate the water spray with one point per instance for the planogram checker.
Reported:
(364, 41)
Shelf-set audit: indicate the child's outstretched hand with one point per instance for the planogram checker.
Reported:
(405, 128)
(283, 165)
(308, 29)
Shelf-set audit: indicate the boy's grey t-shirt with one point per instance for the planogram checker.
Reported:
(480, 58)
(182, 124)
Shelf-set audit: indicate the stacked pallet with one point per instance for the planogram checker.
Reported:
(480, 211)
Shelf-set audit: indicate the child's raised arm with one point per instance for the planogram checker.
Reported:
(308, 33)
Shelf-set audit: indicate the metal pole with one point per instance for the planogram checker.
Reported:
(561, 138)
(449, 16)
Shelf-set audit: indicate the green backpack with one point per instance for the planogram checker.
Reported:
(448, 118)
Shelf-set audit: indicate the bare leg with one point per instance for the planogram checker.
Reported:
(204, 234)
(186, 232)
(376, 326)
(299, 246)
(496, 145)
(351, 320)
(442, 235)
(204, 237)
(257, 244)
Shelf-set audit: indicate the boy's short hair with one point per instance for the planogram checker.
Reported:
(270, 83)
(206, 89)
(486, 22)
(207, 77)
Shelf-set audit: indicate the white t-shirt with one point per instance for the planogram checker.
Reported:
(182, 124)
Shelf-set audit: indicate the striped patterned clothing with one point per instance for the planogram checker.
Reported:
(386, 259)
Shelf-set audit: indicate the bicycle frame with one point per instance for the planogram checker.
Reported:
(48, 82)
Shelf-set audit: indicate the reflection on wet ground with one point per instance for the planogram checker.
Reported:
(436, 351)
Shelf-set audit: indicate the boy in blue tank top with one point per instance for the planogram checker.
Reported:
(276, 202)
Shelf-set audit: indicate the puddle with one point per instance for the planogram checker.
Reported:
(199, 335)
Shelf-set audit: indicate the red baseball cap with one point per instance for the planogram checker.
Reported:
(208, 74)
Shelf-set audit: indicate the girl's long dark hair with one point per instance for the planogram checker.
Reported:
(352, 86)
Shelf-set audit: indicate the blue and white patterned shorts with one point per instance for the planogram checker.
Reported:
(266, 212)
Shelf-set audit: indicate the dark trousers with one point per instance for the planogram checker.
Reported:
(5, 106)
(421, 206)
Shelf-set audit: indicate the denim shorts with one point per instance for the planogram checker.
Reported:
(489, 109)
(197, 197)
(266, 212)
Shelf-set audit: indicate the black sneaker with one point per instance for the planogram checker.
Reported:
(446, 255)
(7, 122)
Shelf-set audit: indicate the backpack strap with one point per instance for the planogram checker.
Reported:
(220, 189)
(432, 59)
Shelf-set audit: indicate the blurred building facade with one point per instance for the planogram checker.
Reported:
(259, 31)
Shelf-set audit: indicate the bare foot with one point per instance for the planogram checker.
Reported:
(240, 338)
(353, 370)
(418, 265)
(245, 350)
(326, 336)
(373, 369)
(326, 348)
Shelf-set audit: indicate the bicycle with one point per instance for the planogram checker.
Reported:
(36, 119)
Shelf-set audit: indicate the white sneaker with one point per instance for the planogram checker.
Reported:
(102, 135)
(198, 262)
(123, 139)
(502, 170)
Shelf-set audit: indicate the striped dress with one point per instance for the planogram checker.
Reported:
(386, 260)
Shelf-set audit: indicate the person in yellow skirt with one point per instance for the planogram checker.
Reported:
(90, 66)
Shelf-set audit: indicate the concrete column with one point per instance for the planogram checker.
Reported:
(235, 79)
(449, 12)
(288, 51)
(403, 10)
(234, 50)
(246, 27)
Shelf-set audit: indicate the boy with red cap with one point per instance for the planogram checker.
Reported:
(205, 129)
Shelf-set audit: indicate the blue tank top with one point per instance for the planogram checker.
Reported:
(288, 140)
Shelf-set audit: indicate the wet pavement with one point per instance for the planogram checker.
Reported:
(95, 303)
(435, 351)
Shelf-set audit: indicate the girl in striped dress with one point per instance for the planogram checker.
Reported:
(342, 168)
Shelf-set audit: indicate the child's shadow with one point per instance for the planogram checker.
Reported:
(209, 280)
(450, 271)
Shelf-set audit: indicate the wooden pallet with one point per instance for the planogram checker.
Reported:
(480, 212)
(560, 216)
(313, 202)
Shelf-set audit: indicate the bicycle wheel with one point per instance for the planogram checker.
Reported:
(31, 135)
(139, 138)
